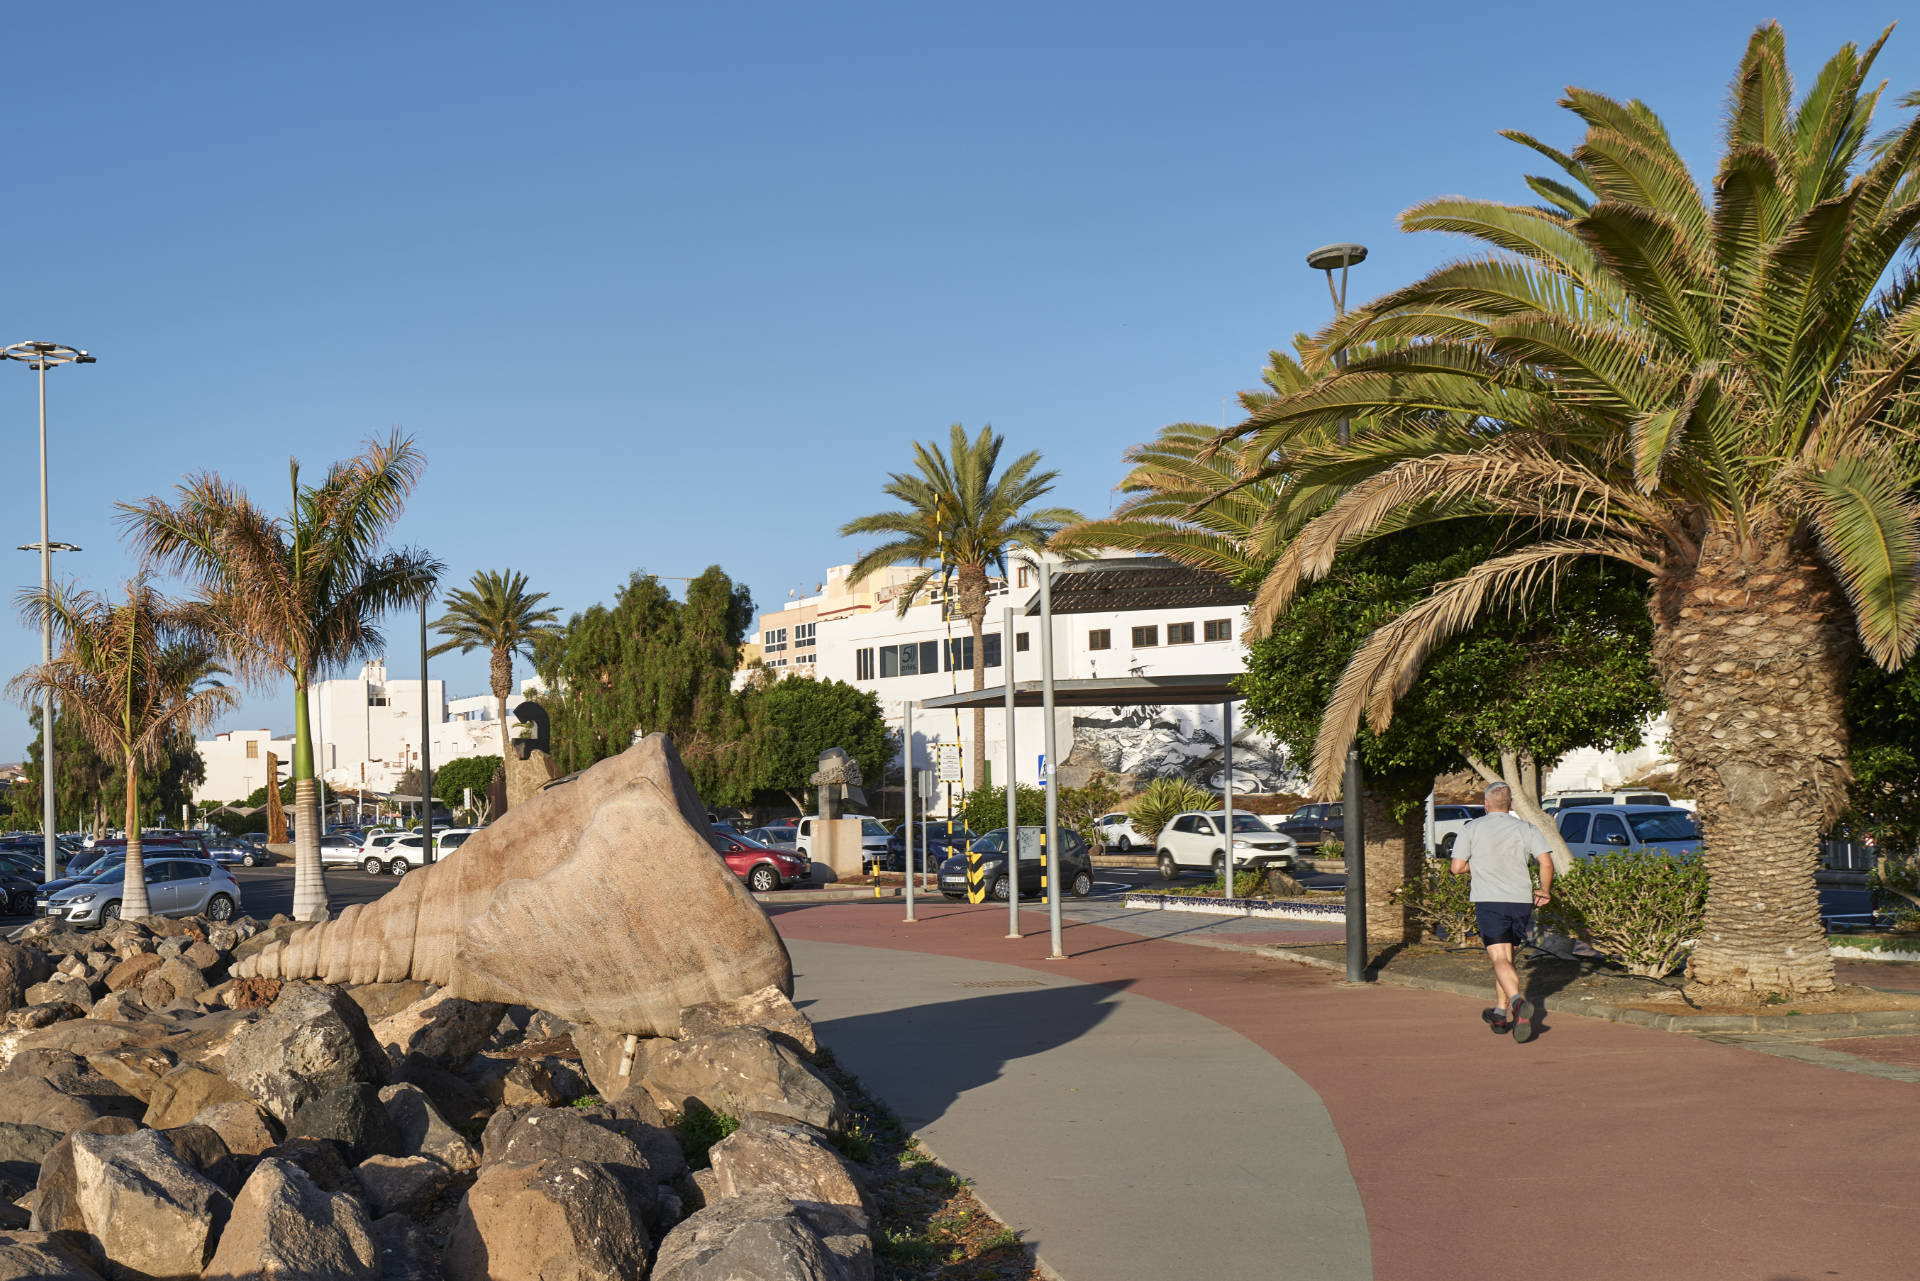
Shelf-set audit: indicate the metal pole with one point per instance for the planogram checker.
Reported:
(1226, 715)
(1013, 781)
(426, 748)
(1050, 838)
(908, 834)
(320, 772)
(1355, 840)
(49, 847)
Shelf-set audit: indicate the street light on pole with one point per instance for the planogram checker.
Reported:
(1328, 258)
(38, 356)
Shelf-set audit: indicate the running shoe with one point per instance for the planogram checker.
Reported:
(1520, 1019)
(1496, 1019)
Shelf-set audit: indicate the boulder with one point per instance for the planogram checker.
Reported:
(285, 1226)
(380, 1001)
(126, 1007)
(352, 1115)
(168, 948)
(203, 956)
(34, 1256)
(56, 1204)
(313, 1040)
(533, 1134)
(30, 1018)
(740, 1070)
(224, 938)
(328, 1163)
(774, 1155)
(638, 1117)
(766, 1236)
(185, 1092)
(137, 1069)
(423, 1131)
(601, 1053)
(534, 1082)
(441, 1026)
(404, 1250)
(144, 1212)
(22, 1144)
(20, 968)
(242, 1125)
(54, 1088)
(72, 991)
(163, 927)
(768, 1008)
(202, 1148)
(398, 1184)
(175, 979)
(454, 1097)
(556, 1220)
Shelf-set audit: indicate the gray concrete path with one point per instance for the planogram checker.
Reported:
(1126, 1138)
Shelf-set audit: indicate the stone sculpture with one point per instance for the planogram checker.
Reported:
(529, 766)
(599, 899)
(838, 779)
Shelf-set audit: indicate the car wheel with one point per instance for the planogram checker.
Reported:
(1082, 884)
(220, 908)
(21, 904)
(246, 860)
(399, 867)
(1169, 870)
(1002, 887)
(1446, 846)
(111, 912)
(371, 866)
(1219, 865)
(1126, 844)
(764, 879)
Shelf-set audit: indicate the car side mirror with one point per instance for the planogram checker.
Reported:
(1615, 838)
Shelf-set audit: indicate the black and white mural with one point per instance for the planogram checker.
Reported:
(1186, 742)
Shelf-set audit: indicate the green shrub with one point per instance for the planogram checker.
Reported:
(1644, 910)
(1162, 799)
(1438, 901)
(986, 808)
(698, 1129)
(1894, 883)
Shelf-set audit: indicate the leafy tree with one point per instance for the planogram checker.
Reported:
(803, 718)
(295, 596)
(985, 808)
(1081, 808)
(1883, 719)
(451, 780)
(496, 613)
(1713, 388)
(959, 519)
(132, 674)
(258, 796)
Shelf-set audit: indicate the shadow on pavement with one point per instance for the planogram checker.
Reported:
(922, 1057)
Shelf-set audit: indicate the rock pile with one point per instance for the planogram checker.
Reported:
(159, 1118)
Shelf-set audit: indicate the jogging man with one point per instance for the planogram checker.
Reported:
(1497, 848)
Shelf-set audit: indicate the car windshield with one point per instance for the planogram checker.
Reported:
(1664, 825)
(116, 871)
(1249, 823)
(994, 842)
(872, 827)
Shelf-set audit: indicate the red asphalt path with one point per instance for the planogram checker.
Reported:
(1598, 1151)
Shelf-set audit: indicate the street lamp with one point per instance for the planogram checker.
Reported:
(38, 356)
(1327, 258)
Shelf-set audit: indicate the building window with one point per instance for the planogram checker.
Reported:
(1179, 633)
(863, 665)
(1020, 642)
(253, 750)
(376, 700)
(1026, 576)
(803, 636)
(992, 647)
(1102, 639)
(1145, 637)
(1219, 629)
(806, 658)
(960, 652)
(774, 640)
(910, 659)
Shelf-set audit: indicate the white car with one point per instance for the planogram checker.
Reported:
(338, 848)
(874, 838)
(1195, 842)
(1444, 824)
(1117, 832)
(408, 850)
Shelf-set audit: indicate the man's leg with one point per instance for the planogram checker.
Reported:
(1506, 980)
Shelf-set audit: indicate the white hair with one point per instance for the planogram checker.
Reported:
(1501, 790)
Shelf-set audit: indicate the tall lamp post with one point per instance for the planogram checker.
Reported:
(39, 356)
(1329, 258)
(426, 745)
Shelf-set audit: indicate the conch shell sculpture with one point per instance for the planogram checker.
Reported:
(600, 899)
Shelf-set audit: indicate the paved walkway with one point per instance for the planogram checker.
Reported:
(1599, 1151)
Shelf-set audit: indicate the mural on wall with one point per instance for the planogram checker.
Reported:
(1159, 742)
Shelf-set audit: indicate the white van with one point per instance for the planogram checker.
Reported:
(873, 841)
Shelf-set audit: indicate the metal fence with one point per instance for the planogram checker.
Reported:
(1847, 856)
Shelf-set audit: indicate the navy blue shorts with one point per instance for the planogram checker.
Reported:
(1503, 922)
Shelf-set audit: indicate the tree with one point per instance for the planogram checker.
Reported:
(296, 596)
(1883, 720)
(496, 613)
(131, 674)
(451, 781)
(805, 717)
(1713, 389)
(960, 519)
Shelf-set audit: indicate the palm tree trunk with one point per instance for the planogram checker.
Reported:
(1753, 655)
(309, 880)
(973, 605)
(1393, 854)
(502, 673)
(133, 895)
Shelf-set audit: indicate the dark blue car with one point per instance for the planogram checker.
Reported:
(932, 843)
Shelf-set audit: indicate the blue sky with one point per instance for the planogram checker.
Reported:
(666, 286)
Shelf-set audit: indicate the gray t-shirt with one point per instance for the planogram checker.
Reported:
(1496, 848)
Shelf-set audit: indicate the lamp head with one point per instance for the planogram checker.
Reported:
(1333, 257)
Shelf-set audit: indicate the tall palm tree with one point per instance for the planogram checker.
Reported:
(499, 615)
(132, 674)
(1716, 387)
(960, 519)
(294, 596)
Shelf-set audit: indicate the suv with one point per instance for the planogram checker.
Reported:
(874, 839)
(1195, 841)
(1612, 829)
(1311, 825)
(1567, 800)
(1117, 832)
(405, 851)
(1076, 865)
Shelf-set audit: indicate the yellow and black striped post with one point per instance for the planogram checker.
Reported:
(976, 878)
(1043, 862)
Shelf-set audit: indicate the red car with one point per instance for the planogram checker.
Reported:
(762, 867)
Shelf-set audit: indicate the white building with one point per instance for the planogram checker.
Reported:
(366, 733)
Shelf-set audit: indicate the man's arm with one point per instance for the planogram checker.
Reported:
(1545, 891)
(1462, 851)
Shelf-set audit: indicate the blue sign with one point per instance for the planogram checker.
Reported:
(1043, 766)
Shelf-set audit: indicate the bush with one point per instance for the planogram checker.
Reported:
(1162, 799)
(1642, 909)
(1894, 883)
(986, 808)
(1438, 901)
(698, 1129)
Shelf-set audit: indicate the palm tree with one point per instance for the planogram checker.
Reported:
(132, 674)
(294, 596)
(497, 614)
(959, 518)
(1715, 387)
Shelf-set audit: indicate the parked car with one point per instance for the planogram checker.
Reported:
(1610, 829)
(408, 850)
(1567, 800)
(1313, 825)
(175, 887)
(762, 867)
(30, 867)
(16, 892)
(932, 843)
(1196, 841)
(111, 853)
(339, 848)
(375, 851)
(1117, 832)
(774, 838)
(1076, 865)
(1444, 823)
(873, 840)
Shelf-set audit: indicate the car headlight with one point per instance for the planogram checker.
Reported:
(82, 898)
(1242, 845)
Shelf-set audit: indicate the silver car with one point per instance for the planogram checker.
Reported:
(175, 887)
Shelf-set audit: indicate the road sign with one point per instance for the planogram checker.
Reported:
(949, 762)
(1043, 767)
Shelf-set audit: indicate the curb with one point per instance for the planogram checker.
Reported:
(865, 894)
(1252, 908)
